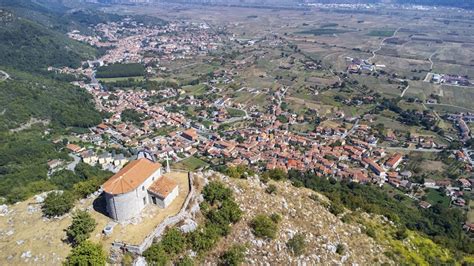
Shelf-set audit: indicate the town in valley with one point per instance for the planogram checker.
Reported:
(349, 105)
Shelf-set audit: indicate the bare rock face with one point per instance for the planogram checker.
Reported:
(324, 232)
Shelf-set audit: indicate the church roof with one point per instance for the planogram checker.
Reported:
(130, 177)
(163, 187)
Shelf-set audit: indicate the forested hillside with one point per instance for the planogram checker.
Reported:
(36, 109)
(56, 16)
(27, 96)
(29, 46)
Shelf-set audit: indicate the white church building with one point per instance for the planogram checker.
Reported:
(137, 184)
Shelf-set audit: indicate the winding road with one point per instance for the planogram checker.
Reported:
(381, 45)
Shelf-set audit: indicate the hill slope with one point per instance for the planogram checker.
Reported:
(29, 46)
(350, 237)
(300, 214)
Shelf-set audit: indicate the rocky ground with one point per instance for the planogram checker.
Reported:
(301, 214)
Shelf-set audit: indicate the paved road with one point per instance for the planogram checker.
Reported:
(354, 127)
(73, 165)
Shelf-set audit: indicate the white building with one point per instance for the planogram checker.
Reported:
(137, 184)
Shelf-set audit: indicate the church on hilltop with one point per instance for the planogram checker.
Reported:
(137, 184)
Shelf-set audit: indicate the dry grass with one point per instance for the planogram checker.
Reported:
(32, 233)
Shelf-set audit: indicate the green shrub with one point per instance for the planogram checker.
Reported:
(185, 261)
(57, 204)
(271, 189)
(275, 174)
(370, 232)
(276, 218)
(156, 255)
(264, 227)
(340, 249)
(297, 244)
(336, 208)
(81, 228)
(234, 256)
(216, 191)
(204, 239)
(173, 242)
(87, 253)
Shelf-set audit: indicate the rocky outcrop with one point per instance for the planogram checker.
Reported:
(302, 211)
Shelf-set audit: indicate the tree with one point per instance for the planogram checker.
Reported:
(297, 244)
(57, 203)
(81, 228)
(87, 253)
(156, 255)
(234, 256)
(264, 227)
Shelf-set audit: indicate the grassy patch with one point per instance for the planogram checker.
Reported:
(381, 33)
(108, 80)
(195, 90)
(233, 112)
(192, 163)
(434, 196)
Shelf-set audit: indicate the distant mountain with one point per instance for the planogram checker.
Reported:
(56, 15)
(468, 4)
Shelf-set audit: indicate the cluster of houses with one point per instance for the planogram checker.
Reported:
(450, 79)
(356, 65)
(454, 189)
(106, 160)
(461, 120)
(136, 42)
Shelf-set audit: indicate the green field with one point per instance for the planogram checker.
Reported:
(381, 33)
(323, 31)
(108, 80)
(195, 90)
(233, 112)
(192, 163)
(434, 196)
(120, 70)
